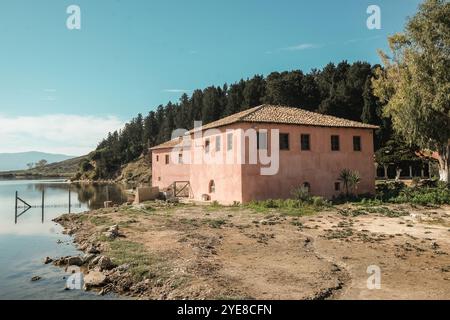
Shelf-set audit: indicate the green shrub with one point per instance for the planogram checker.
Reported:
(291, 206)
(428, 193)
(389, 190)
(415, 181)
(301, 193)
(320, 202)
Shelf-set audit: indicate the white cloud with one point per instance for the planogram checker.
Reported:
(300, 47)
(176, 90)
(57, 133)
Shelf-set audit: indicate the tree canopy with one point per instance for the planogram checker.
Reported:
(341, 90)
(415, 81)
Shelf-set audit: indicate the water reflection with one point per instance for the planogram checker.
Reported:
(35, 236)
(43, 200)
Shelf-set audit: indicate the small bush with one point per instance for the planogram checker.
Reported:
(215, 203)
(389, 190)
(301, 193)
(415, 181)
(319, 202)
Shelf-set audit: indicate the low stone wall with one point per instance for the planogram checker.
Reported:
(146, 194)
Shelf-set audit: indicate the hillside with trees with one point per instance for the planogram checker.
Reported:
(62, 169)
(343, 90)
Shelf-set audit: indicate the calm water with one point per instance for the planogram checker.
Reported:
(25, 244)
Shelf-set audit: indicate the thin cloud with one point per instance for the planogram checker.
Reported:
(56, 133)
(177, 90)
(301, 47)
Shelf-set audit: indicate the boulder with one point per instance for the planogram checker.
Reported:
(48, 260)
(61, 261)
(92, 249)
(123, 267)
(83, 246)
(74, 261)
(94, 262)
(94, 279)
(112, 232)
(88, 257)
(105, 263)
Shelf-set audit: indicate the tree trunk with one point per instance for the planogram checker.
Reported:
(444, 164)
(398, 172)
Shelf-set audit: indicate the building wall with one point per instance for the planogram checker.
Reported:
(227, 176)
(163, 175)
(320, 167)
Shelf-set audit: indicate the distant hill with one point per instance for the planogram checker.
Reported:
(67, 169)
(19, 161)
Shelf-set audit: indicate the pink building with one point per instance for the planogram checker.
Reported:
(264, 153)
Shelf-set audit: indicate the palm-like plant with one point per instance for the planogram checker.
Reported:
(350, 179)
(355, 179)
(344, 176)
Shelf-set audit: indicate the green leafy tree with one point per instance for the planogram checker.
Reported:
(396, 152)
(415, 82)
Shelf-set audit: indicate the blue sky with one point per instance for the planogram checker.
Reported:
(131, 55)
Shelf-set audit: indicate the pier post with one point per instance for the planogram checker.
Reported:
(43, 192)
(15, 215)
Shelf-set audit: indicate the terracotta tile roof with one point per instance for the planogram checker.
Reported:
(286, 115)
(170, 144)
(277, 114)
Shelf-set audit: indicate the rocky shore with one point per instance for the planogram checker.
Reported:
(100, 273)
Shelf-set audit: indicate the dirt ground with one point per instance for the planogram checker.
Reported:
(206, 252)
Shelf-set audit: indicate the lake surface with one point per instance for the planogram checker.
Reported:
(25, 244)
